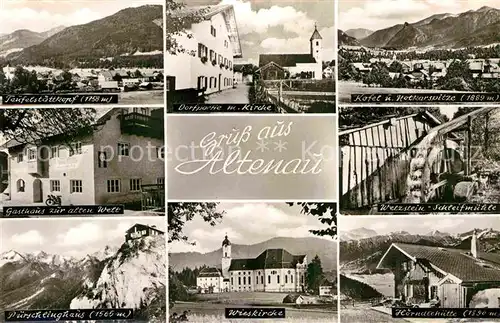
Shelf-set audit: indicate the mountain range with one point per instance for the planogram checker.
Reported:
(362, 249)
(132, 276)
(358, 33)
(24, 38)
(127, 32)
(345, 40)
(325, 249)
(472, 28)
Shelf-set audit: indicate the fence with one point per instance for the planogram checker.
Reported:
(375, 160)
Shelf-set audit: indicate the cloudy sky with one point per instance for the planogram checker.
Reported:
(68, 236)
(280, 26)
(380, 14)
(42, 15)
(248, 223)
(419, 224)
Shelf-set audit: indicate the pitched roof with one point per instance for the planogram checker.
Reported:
(455, 262)
(207, 12)
(209, 272)
(269, 259)
(144, 225)
(286, 60)
(315, 34)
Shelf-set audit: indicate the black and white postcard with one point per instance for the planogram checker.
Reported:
(252, 52)
(82, 48)
(418, 51)
(63, 264)
(419, 159)
(275, 256)
(444, 262)
(64, 157)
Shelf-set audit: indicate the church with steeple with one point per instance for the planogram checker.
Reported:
(295, 66)
(273, 270)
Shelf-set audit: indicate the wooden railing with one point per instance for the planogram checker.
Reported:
(375, 160)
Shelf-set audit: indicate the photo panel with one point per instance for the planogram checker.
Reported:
(87, 265)
(82, 161)
(259, 157)
(276, 260)
(82, 52)
(250, 56)
(439, 269)
(418, 52)
(419, 160)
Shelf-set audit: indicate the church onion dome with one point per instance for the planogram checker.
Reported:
(226, 242)
(316, 34)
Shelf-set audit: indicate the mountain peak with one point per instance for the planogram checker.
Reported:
(446, 31)
(484, 9)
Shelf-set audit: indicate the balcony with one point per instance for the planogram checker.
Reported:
(38, 163)
(139, 124)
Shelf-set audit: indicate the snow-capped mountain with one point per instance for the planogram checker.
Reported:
(10, 256)
(357, 234)
(131, 276)
(134, 277)
(104, 254)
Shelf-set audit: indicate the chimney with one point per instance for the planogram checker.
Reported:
(473, 244)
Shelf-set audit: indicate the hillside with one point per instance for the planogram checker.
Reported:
(471, 28)
(346, 40)
(128, 31)
(131, 276)
(18, 40)
(359, 33)
(325, 249)
(362, 256)
(357, 290)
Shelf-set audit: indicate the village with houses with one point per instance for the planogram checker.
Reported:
(211, 52)
(87, 80)
(51, 62)
(392, 60)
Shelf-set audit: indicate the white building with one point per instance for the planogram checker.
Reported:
(308, 65)
(103, 167)
(274, 270)
(207, 63)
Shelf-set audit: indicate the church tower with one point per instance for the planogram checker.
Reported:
(316, 45)
(226, 257)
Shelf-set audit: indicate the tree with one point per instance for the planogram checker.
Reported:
(37, 125)
(326, 213)
(180, 213)
(25, 81)
(179, 22)
(4, 83)
(137, 73)
(176, 289)
(314, 274)
(396, 67)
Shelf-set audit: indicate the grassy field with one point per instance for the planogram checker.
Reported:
(205, 312)
(366, 315)
(345, 89)
(210, 308)
(142, 97)
(248, 298)
(382, 283)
